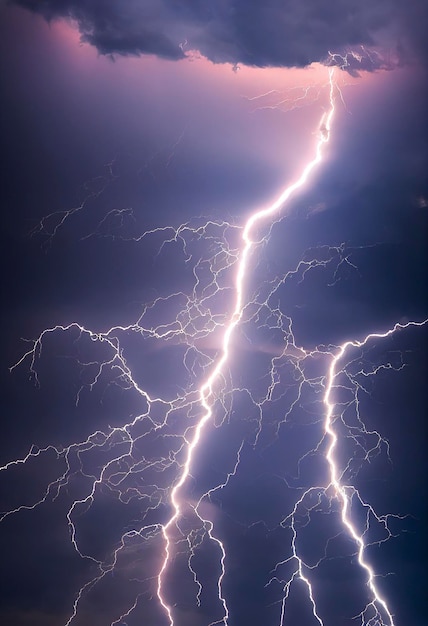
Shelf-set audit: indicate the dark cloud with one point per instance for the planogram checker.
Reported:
(252, 32)
(133, 28)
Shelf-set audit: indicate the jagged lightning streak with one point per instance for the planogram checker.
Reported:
(378, 603)
(339, 489)
(206, 391)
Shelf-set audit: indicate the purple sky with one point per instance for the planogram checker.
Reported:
(140, 142)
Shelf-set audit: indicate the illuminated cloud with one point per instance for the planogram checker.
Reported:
(251, 32)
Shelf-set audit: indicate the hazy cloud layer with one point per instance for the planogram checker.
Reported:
(252, 32)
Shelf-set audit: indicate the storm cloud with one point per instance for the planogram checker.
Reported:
(259, 33)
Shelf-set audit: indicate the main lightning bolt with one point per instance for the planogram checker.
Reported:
(129, 473)
(206, 392)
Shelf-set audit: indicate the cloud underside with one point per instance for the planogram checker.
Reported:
(291, 33)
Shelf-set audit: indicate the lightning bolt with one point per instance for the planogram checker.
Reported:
(376, 611)
(135, 470)
(342, 492)
(206, 392)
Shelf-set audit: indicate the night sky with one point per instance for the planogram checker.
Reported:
(137, 138)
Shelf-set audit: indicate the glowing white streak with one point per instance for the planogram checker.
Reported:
(335, 481)
(206, 390)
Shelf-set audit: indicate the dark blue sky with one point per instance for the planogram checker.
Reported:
(99, 150)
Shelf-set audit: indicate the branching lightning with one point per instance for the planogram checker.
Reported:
(206, 391)
(152, 458)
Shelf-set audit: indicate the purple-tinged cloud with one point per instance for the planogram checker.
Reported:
(252, 32)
